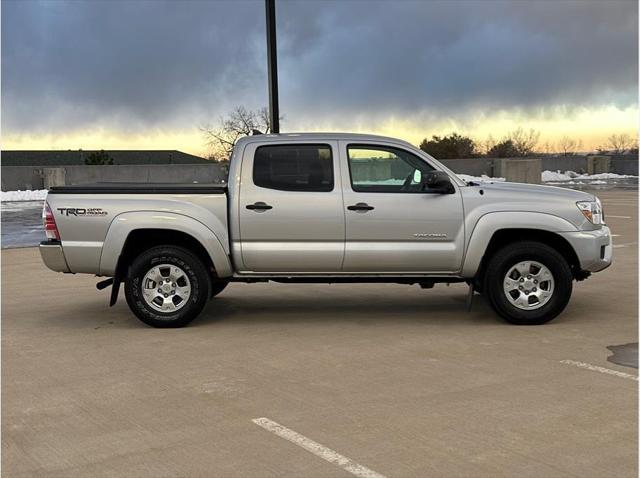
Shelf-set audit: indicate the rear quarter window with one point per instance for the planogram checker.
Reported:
(296, 167)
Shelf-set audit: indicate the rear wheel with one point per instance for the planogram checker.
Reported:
(167, 286)
(528, 283)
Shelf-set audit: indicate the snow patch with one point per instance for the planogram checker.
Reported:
(548, 176)
(478, 179)
(605, 176)
(557, 176)
(28, 195)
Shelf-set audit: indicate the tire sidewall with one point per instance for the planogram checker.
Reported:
(504, 261)
(195, 272)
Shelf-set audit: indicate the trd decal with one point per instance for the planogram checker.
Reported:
(81, 211)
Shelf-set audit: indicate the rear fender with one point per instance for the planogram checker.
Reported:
(123, 224)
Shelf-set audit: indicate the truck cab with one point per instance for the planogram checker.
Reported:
(341, 207)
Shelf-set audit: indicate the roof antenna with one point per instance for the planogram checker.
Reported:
(255, 132)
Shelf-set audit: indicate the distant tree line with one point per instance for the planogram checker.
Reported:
(517, 143)
(98, 158)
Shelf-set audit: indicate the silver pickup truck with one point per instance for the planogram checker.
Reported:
(327, 208)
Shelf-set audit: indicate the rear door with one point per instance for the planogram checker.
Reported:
(392, 223)
(291, 213)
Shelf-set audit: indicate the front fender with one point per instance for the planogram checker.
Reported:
(125, 223)
(490, 223)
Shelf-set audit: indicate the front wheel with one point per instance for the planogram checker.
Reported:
(528, 283)
(167, 286)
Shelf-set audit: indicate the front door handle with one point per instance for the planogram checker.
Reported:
(259, 206)
(361, 206)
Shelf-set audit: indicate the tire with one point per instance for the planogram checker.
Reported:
(504, 278)
(217, 287)
(153, 271)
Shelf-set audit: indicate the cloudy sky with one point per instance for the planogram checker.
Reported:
(147, 74)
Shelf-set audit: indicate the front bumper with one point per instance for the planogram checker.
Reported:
(53, 256)
(593, 248)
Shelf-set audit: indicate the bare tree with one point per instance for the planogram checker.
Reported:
(619, 143)
(240, 122)
(488, 144)
(524, 141)
(569, 146)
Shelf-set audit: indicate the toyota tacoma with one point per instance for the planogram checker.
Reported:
(327, 208)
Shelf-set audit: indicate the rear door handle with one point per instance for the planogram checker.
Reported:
(361, 206)
(259, 206)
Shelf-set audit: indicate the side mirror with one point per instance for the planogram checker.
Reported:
(438, 182)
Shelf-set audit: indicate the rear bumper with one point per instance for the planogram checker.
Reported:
(593, 248)
(53, 256)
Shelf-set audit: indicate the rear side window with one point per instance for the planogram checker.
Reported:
(295, 167)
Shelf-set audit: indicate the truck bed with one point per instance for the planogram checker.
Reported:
(92, 216)
(141, 188)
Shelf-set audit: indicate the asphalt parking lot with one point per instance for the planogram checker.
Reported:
(402, 381)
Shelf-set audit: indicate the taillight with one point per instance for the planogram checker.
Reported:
(50, 228)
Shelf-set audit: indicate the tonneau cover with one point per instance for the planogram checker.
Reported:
(141, 188)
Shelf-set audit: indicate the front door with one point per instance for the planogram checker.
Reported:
(393, 224)
(291, 212)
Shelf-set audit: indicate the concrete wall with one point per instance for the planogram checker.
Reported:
(471, 166)
(598, 164)
(512, 169)
(153, 173)
(53, 177)
(624, 166)
(29, 177)
(518, 170)
(371, 169)
(21, 177)
(565, 163)
(579, 164)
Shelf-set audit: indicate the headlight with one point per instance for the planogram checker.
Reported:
(592, 210)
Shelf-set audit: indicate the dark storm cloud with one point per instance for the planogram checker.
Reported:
(127, 63)
(140, 64)
(443, 56)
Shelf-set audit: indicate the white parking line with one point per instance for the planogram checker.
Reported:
(616, 246)
(597, 368)
(317, 449)
(619, 217)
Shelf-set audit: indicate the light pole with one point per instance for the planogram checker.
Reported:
(272, 56)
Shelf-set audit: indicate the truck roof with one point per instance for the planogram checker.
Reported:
(320, 136)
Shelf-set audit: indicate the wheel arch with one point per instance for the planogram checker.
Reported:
(132, 233)
(503, 237)
(498, 229)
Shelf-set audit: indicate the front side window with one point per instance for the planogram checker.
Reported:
(295, 167)
(383, 169)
